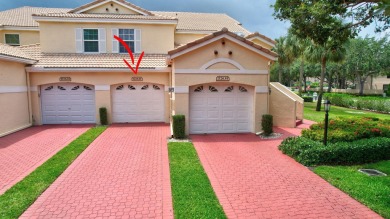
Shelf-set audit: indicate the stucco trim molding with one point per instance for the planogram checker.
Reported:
(13, 89)
(220, 71)
(262, 40)
(182, 89)
(102, 87)
(102, 20)
(42, 69)
(261, 89)
(222, 60)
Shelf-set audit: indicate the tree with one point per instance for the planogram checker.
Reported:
(322, 54)
(341, 19)
(296, 48)
(284, 58)
(368, 57)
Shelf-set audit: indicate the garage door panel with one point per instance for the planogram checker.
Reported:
(141, 103)
(67, 104)
(220, 109)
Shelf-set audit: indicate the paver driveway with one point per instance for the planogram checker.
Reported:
(253, 179)
(124, 173)
(23, 151)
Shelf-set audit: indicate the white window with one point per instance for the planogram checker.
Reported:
(12, 39)
(90, 40)
(132, 37)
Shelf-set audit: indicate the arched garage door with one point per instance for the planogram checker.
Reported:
(68, 103)
(138, 103)
(221, 109)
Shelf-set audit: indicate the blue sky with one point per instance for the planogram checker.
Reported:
(255, 15)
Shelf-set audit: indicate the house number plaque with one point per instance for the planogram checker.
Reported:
(137, 78)
(223, 78)
(65, 79)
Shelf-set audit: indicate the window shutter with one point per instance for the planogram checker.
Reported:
(102, 40)
(79, 40)
(115, 43)
(137, 41)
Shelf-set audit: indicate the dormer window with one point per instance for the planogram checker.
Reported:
(91, 40)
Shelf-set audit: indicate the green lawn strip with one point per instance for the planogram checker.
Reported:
(373, 192)
(193, 196)
(19, 197)
(311, 114)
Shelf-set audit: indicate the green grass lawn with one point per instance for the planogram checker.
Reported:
(310, 113)
(193, 196)
(19, 197)
(373, 192)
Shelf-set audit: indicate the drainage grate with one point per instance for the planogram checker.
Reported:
(372, 172)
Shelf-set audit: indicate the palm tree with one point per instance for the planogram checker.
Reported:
(322, 54)
(284, 58)
(296, 48)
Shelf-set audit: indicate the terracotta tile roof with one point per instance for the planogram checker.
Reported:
(189, 21)
(121, 1)
(109, 16)
(108, 60)
(14, 52)
(216, 34)
(22, 16)
(257, 34)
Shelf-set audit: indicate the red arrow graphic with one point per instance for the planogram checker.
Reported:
(131, 55)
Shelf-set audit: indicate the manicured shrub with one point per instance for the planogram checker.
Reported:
(307, 99)
(349, 129)
(267, 124)
(103, 115)
(388, 91)
(310, 153)
(178, 126)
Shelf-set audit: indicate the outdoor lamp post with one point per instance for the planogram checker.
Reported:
(327, 109)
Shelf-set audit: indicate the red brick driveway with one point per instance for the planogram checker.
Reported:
(124, 173)
(253, 179)
(23, 151)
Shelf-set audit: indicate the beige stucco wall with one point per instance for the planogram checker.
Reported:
(111, 9)
(261, 43)
(181, 38)
(282, 108)
(377, 82)
(102, 97)
(61, 37)
(14, 106)
(198, 57)
(25, 37)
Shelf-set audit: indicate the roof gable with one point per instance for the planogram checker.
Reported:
(223, 34)
(111, 7)
(262, 38)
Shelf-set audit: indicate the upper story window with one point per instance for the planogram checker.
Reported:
(127, 35)
(12, 39)
(132, 37)
(91, 40)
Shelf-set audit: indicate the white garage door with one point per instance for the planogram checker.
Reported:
(138, 103)
(221, 109)
(68, 104)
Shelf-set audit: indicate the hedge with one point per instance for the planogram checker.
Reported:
(379, 104)
(178, 126)
(311, 153)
